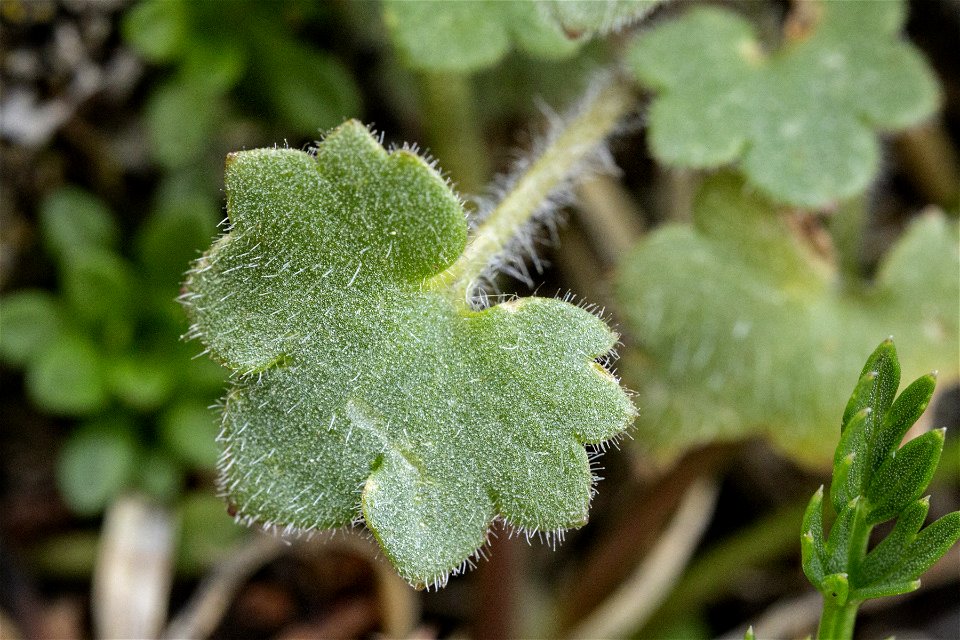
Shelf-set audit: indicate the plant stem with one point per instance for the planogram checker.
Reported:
(836, 622)
(565, 150)
(453, 129)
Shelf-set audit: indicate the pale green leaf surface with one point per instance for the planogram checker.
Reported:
(67, 377)
(802, 119)
(368, 395)
(469, 35)
(29, 320)
(752, 335)
(97, 462)
(579, 17)
(73, 221)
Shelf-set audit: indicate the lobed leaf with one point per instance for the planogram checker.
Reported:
(799, 121)
(469, 35)
(753, 335)
(365, 395)
(904, 477)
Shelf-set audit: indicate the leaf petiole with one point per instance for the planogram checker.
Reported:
(563, 154)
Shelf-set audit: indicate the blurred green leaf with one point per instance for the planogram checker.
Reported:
(305, 89)
(98, 287)
(29, 321)
(181, 119)
(173, 236)
(67, 377)
(750, 334)
(140, 380)
(800, 121)
(98, 461)
(189, 431)
(157, 29)
(159, 476)
(436, 35)
(207, 533)
(74, 221)
(216, 65)
(579, 17)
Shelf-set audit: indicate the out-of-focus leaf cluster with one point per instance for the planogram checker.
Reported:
(105, 348)
(215, 52)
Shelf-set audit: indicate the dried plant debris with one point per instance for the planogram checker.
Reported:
(360, 395)
(799, 121)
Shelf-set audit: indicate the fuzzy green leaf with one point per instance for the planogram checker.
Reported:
(904, 477)
(801, 120)
(752, 334)
(578, 17)
(885, 557)
(469, 35)
(368, 395)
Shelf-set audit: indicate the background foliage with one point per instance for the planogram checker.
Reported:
(788, 199)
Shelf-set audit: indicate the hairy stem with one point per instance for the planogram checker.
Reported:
(579, 137)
